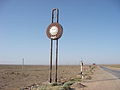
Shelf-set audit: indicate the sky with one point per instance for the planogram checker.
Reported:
(91, 31)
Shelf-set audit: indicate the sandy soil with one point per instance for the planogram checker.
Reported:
(114, 68)
(13, 78)
(102, 80)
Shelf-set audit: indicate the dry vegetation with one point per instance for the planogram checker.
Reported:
(113, 65)
(12, 77)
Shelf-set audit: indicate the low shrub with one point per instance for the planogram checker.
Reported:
(66, 85)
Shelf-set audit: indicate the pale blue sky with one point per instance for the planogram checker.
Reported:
(91, 31)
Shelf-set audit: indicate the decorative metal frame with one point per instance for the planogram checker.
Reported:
(55, 14)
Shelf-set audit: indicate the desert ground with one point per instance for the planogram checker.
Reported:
(14, 77)
(103, 80)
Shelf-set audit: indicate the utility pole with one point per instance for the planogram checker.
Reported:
(22, 63)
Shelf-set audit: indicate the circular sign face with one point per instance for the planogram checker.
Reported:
(54, 31)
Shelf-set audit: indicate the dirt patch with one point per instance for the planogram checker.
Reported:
(102, 80)
(78, 85)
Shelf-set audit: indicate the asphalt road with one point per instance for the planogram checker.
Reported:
(113, 72)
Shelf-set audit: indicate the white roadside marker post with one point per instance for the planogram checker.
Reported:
(81, 64)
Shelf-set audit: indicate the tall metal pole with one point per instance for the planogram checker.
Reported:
(57, 13)
(51, 43)
(56, 60)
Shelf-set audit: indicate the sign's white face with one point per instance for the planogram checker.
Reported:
(53, 30)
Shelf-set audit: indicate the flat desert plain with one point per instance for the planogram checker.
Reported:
(14, 77)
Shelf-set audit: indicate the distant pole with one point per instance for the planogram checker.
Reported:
(22, 63)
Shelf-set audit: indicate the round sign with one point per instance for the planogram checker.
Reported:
(54, 31)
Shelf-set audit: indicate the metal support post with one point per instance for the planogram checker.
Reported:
(56, 60)
(51, 45)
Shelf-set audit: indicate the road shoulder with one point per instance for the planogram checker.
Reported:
(102, 80)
